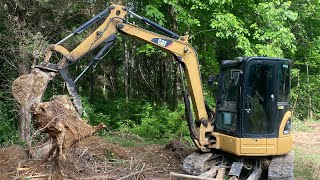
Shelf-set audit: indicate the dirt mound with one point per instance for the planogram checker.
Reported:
(316, 128)
(305, 138)
(179, 149)
(156, 161)
(307, 146)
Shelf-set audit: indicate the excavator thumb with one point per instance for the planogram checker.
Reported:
(29, 89)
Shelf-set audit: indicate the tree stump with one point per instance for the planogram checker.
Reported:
(60, 120)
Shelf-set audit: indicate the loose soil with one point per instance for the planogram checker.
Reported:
(94, 158)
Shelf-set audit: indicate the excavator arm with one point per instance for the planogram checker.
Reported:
(200, 128)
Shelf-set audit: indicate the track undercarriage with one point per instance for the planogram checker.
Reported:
(219, 165)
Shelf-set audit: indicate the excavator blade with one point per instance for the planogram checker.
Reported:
(29, 89)
(214, 173)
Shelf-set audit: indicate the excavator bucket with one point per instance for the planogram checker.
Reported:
(29, 89)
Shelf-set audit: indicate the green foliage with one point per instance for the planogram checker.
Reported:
(8, 130)
(209, 93)
(139, 117)
(116, 113)
(219, 1)
(154, 13)
(272, 28)
(147, 50)
(264, 33)
(160, 122)
(124, 139)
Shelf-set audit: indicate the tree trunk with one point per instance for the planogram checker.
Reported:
(297, 98)
(25, 116)
(176, 87)
(131, 70)
(24, 124)
(164, 81)
(126, 69)
(176, 83)
(91, 81)
(310, 110)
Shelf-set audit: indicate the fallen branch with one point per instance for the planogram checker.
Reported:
(135, 173)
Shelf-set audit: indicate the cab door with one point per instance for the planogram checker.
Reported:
(259, 100)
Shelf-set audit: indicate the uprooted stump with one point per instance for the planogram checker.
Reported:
(64, 127)
(60, 120)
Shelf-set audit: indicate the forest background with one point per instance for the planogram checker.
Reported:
(136, 87)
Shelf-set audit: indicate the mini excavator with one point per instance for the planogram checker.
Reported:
(246, 136)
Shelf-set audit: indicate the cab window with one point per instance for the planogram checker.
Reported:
(284, 82)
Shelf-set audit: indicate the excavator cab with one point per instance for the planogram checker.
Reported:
(252, 123)
(252, 100)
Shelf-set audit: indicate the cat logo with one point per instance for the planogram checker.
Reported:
(162, 42)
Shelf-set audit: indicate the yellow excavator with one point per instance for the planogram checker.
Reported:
(246, 136)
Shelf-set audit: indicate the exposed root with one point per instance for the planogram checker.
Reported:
(61, 122)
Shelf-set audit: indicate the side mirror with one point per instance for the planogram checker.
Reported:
(211, 80)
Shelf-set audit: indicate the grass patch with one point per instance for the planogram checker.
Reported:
(302, 126)
(307, 156)
(127, 139)
(306, 165)
(124, 139)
